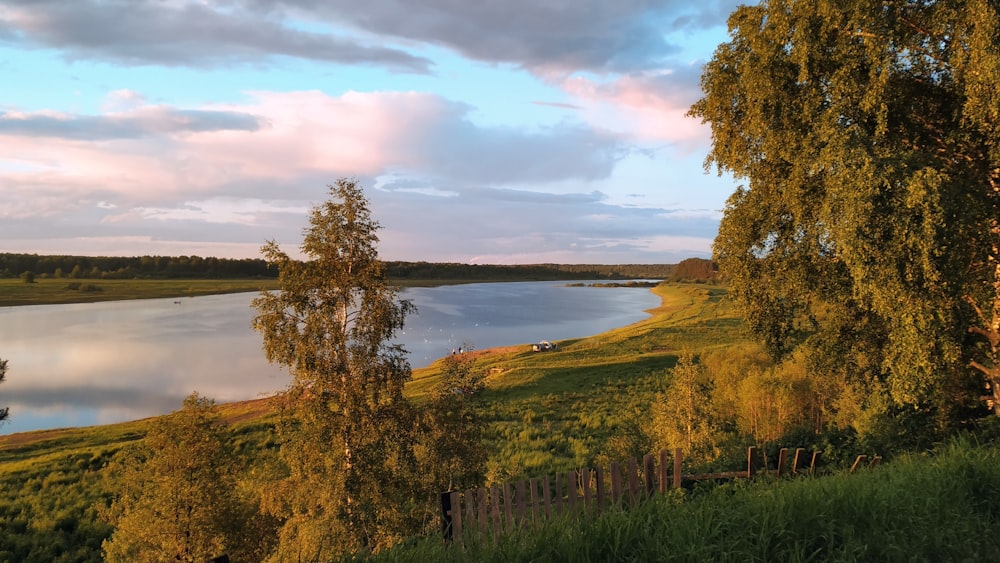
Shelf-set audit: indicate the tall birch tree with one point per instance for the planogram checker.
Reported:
(348, 441)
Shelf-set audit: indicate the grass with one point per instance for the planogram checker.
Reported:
(556, 411)
(940, 507)
(54, 291)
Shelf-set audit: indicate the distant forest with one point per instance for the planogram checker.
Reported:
(165, 267)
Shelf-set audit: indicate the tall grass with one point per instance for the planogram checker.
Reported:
(942, 507)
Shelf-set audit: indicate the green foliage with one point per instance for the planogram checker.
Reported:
(694, 270)
(450, 451)
(27, 276)
(683, 416)
(177, 497)
(922, 508)
(347, 441)
(868, 229)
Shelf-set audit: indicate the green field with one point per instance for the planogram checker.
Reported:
(47, 291)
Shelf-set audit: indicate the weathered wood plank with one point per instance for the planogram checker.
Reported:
(456, 517)
(521, 502)
(616, 483)
(633, 480)
(648, 474)
(664, 459)
(495, 511)
(782, 458)
(800, 460)
(678, 457)
(859, 462)
(602, 493)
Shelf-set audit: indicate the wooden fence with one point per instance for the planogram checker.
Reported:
(487, 512)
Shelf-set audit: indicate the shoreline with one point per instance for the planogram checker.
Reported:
(419, 375)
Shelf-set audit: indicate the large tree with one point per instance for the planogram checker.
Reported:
(868, 135)
(348, 441)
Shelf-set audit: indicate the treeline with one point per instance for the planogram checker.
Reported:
(121, 267)
(526, 272)
(165, 267)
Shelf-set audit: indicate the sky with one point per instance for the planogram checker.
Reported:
(491, 132)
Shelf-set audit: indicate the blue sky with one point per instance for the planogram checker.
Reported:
(523, 131)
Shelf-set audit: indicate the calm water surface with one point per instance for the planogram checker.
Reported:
(98, 363)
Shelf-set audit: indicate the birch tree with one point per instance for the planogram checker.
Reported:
(867, 133)
(348, 440)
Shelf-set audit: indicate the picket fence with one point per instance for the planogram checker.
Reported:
(488, 512)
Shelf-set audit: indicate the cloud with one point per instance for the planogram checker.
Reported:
(149, 120)
(544, 37)
(194, 34)
(649, 106)
(182, 175)
(523, 226)
(278, 138)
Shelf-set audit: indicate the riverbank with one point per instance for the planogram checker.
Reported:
(53, 291)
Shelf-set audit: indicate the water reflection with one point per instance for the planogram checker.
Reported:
(97, 363)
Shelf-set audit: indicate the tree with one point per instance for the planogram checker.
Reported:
(177, 493)
(683, 416)
(28, 276)
(4, 411)
(452, 454)
(348, 443)
(867, 134)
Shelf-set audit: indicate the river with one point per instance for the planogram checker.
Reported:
(100, 363)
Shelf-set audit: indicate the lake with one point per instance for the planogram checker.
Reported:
(100, 363)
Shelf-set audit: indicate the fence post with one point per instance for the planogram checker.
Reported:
(484, 523)
(782, 458)
(859, 462)
(510, 503)
(522, 503)
(799, 461)
(648, 470)
(678, 477)
(446, 529)
(571, 485)
(470, 511)
(456, 517)
(547, 496)
(588, 498)
(633, 480)
(495, 511)
(814, 462)
(558, 495)
(602, 492)
(536, 510)
(664, 458)
(616, 483)
(751, 461)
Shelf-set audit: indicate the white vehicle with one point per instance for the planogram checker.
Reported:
(543, 346)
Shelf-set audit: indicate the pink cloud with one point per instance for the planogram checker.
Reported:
(161, 159)
(647, 107)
